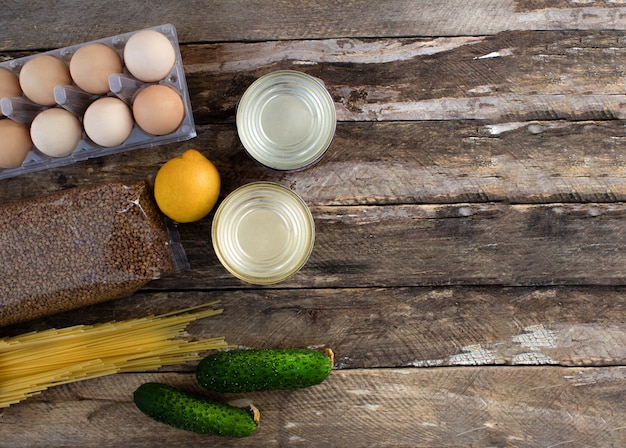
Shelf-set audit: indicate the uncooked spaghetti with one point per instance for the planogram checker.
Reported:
(33, 362)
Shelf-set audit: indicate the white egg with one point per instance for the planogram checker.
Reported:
(56, 132)
(108, 121)
(149, 56)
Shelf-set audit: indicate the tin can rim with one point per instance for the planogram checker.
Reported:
(266, 197)
(312, 94)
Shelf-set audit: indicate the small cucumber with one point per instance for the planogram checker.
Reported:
(190, 412)
(263, 369)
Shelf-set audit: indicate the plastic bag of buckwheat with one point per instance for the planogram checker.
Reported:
(82, 246)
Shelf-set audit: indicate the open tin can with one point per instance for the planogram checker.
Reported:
(286, 120)
(263, 233)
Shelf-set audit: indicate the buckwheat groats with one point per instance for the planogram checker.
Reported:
(81, 246)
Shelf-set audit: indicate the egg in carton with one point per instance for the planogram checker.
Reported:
(93, 99)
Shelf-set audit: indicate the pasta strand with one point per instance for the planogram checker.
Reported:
(33, 362)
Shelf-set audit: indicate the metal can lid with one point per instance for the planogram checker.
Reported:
(263, 233)
(286, 120)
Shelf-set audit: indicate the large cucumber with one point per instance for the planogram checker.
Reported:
(183, 410)
(263, 369)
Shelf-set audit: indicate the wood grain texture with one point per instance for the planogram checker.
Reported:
(419, 245)
(399, 327)
(438, 407)
(399, 163)
(509, 77)
(468, 268)
(475, 243)
(239, 20)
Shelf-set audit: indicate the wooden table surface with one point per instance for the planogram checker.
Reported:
(469, 268)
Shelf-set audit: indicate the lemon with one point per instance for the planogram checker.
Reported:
(186, 187)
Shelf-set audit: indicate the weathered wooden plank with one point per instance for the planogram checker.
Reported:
(501, 244)
(399, 163)
(538, 161)
(469, 152)
(44, 25)
(419, 245)
(521, 407)
(382, 328)
(512, 76)
(490, 243)
(519, 162)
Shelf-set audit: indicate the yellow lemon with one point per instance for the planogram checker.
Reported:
(186, 187)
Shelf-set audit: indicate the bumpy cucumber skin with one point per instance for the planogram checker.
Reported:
(182, 410)
(236, 371)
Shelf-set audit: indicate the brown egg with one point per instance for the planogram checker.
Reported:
(91, 66)
(15, 143)
(40, 75)
(9, 83)
(158, 109)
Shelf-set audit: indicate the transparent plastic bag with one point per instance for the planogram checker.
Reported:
(82, 246)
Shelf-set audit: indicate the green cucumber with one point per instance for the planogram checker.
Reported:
(190, 412)
(263, 369)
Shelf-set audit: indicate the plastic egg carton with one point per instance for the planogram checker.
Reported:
(72, 98)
